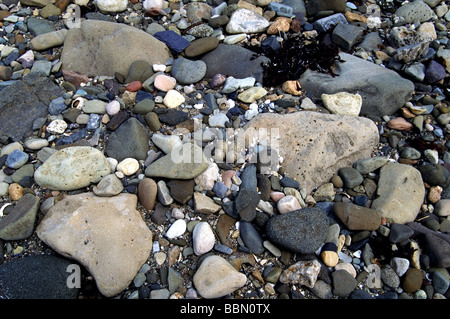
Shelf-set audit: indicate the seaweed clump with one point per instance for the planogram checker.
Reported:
(297, 54)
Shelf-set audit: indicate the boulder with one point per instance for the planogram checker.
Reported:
(314, 146)
(106, 46)
(107, 235)
(400, 193)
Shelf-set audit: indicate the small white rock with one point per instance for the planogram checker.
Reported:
(177, 213)
(203, 238)
(57, 127)
(177, 229)
(128, 166)
(112, 108)
(159, 67)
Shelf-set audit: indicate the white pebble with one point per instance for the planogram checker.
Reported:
(128, 166)
(203, 238)
(177, 229)
(57, 127)
(159, 67)
(112, 108)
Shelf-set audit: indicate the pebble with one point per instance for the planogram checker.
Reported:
(128, 166)
(176, 229)
(173, 99)
(216, 278)
(288, 204)
(412, 280)
(120, 112)
(303, 273)
(17, 159)
(203, 238)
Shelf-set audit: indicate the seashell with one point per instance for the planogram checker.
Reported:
(78, 103)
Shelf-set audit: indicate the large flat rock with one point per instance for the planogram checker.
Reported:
(315, 145)
(102, 48)
(383, 91)
(107, 235)
(24, 101)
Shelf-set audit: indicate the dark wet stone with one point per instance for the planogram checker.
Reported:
(173, 40)
(129, 140)
(24, 101)
(36, 277)
(302, 231)
(251, 237)
(170, 116)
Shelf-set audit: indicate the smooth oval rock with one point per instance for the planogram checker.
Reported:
(187, 71)
(203, 238)
(72, 168)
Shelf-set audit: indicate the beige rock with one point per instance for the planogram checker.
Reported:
(107, 235)
(252, 94)
(128, 166)
(292, 87)
(434, 194)
(147, 192)
(48, 40)
(280, 24)
(329, 258)
(173, 99)
(400, 193)
(113, 48)
(15, 191)
(216, 278)
(72, 168)
(343, 103)
(204, 204)
(325, 193)
(314, 145)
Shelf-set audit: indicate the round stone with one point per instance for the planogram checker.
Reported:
(164, 82)
(288, 204)
(186, 71)
(128, 166)
(15, 191)
(329, 258)
(173, 99)
(203, 238)
(412, 280)
(112, 108)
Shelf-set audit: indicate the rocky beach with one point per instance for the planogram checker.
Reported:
(233, 150)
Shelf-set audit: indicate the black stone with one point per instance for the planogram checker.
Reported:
(170, 116)
(36, 277)
(302, 231)
(251, 238)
